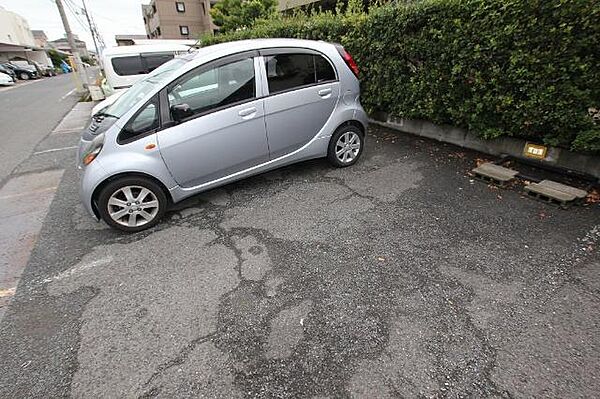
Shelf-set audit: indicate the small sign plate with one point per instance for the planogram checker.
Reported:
(536, 151)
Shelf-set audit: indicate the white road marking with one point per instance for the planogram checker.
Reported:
(20, 84)
(7, 292)
(80, 268)
(28, 193)
(55, 149)
(67, 95)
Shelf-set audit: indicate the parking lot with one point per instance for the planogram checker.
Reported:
(398, 277)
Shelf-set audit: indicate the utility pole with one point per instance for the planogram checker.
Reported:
(81, 74)
(92, 31)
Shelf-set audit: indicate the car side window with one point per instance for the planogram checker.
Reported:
(289, 71)
(214, 88)
(323, 69)
(128, 65)
(153, 61)
(146, 121)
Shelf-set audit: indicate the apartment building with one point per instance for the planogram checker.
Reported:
(169, 19)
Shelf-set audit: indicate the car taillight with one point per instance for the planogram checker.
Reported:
(348, 59)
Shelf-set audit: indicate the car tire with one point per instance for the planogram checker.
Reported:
(346, 146)
(132, 203)
(24, 76)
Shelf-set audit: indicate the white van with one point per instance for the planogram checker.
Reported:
(125, 65)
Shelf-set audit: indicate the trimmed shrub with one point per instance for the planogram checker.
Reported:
(523, 68)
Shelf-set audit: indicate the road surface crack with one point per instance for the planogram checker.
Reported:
(178, 360)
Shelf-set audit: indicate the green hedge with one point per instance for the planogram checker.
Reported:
(528, 68)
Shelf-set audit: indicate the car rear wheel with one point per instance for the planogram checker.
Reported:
(132, 203)
(345, 146)
(24, 76)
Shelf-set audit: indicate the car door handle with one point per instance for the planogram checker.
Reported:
(247, 113)
(324, 93)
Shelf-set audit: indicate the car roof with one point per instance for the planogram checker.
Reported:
(144, 48)
(256, 44)
(210, 53)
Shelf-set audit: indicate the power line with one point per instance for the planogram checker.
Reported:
(91, 25)
(72, 8)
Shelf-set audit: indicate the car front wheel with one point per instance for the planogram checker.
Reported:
(24, 76)
(132, 203)
(345, 146)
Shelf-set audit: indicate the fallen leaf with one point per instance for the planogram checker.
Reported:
(593, 197)
(479, 161)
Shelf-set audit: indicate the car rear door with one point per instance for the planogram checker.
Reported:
(303, 91)
(225, 130)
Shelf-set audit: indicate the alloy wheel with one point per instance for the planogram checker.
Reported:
(133, 206)
(347, 147)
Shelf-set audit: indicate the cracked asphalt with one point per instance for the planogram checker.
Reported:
(397, 277)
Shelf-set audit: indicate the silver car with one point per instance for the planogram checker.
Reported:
(217, 115)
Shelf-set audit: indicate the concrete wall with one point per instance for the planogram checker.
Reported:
(559, 157)
(14, 29)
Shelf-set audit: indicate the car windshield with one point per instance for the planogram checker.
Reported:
(140, 89)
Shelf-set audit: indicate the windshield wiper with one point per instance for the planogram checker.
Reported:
(101, 113)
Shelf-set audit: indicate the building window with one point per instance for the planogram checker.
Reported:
(184, 30)
(203, 8)
(153, 9)
(158, 31)
(180, 6)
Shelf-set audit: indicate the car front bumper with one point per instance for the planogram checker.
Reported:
(89, 178)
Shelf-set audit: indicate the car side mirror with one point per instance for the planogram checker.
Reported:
(181, 111)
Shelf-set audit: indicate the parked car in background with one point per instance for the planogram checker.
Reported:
(22, 72)
(8, 71)
(66, 68)
(217, 115)
(44, 70)
(6, 80)
(125, 65)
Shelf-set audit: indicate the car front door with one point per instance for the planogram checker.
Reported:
(217, 120)
(302, 93)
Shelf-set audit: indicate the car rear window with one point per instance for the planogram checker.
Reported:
(139, 64)
(153, 61)
(129, 65)
(289, 71)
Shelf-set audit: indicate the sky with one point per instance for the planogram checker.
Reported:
(112, 17)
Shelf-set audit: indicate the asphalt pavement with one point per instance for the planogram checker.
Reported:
(28, 112)
(398, 277)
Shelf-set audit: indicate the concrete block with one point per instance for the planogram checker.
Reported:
(548, 193)
(489, 171)
(576, 192)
